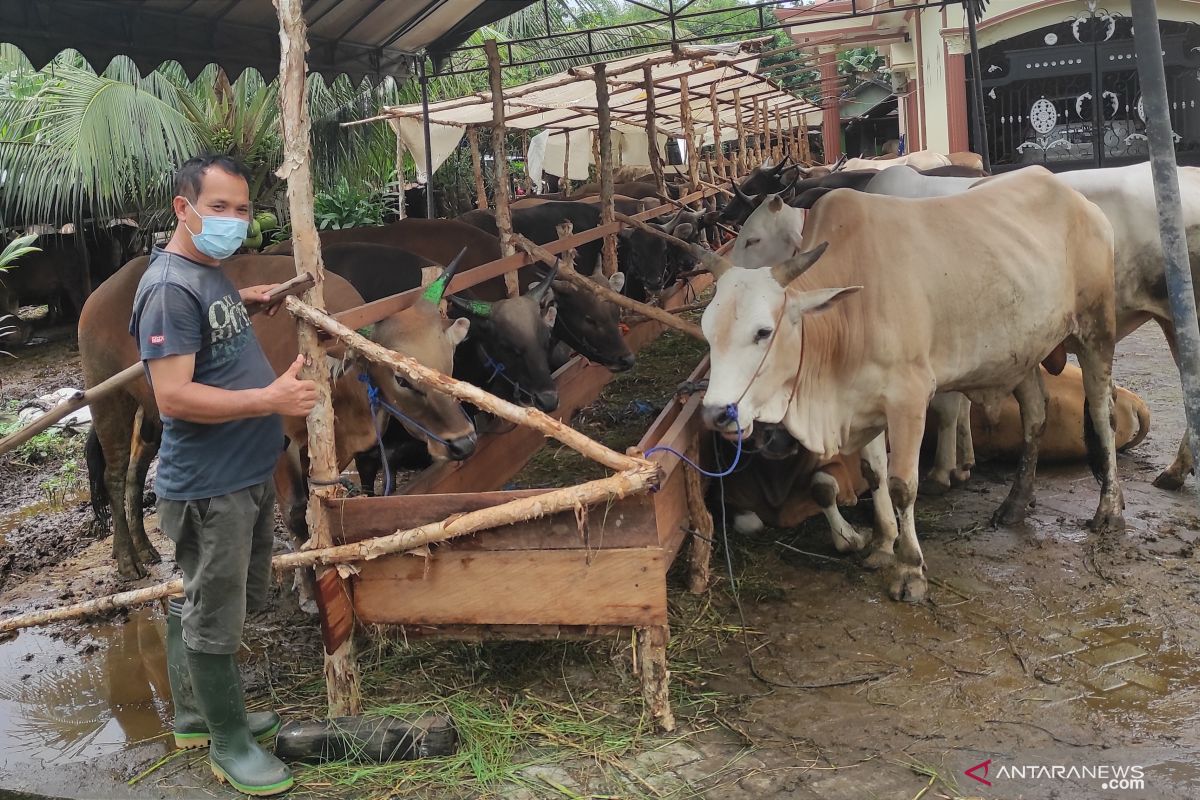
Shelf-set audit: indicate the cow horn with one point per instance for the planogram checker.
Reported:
(798, 264)
(712, 262)
(791, 185)
(542, 289)
(477, 307)
(737, 190)
(778, 168)
(437, 289)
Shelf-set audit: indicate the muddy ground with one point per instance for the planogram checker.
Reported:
(1042, 648)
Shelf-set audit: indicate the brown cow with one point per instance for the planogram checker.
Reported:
(106, 348)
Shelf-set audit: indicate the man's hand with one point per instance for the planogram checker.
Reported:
(289, 395)
(259, 294)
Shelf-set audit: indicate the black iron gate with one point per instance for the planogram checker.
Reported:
(1067, 95)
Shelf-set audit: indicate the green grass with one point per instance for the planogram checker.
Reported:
(48, 450)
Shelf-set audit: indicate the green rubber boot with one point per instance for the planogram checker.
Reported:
(190, 728)
(234, 755)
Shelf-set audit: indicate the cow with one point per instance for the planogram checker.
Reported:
(636, 189)
(979, 289)
(126, 422)
(921, 159)
(506, 351)
(585, 322)
(1126, 197)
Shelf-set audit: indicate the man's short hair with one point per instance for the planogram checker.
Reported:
(189, 179)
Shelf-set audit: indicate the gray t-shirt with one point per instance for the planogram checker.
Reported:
(183, 307)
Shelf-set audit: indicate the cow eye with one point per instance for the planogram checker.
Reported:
(762, 334)
(751, 242)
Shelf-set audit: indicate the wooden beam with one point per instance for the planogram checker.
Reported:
(341, 671)
(500, 163)
(653, 153)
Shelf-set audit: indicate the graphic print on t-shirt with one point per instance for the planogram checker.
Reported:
(228, 323)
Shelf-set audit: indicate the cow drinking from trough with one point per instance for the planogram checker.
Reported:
(978, 289)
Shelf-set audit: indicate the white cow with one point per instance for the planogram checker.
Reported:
(921, 159)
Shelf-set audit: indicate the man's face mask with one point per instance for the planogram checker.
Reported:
(219, 237)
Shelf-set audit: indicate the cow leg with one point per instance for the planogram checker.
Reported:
(966, 443)
(1096, 362)
(113, 419)
(143, 447)
(290, 497)
(367, 465)
(824, 490)
(1031, 398)
(1174, 476)
(905, 428)
(875, 470)
(945, 407)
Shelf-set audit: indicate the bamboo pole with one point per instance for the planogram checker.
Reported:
(608, 255)
(500, 161)
(466, 392)
(481, 200)
(78, 400)
(689, 132)
(601, 290)
(623, 484)
(341, 672)
(655, 156)
(741, 132)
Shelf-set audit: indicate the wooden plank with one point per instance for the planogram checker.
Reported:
(510, 633)
(547, 587)
(621, 524)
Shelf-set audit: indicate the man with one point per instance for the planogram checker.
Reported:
(220, 404)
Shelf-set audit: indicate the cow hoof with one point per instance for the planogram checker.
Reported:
(1107, 522)
(908, 584)
(848, 540)
(879, 559)
(1169, 480)
(933, 487)
(1009, 514)
(960, 477)
(148, 555)
(747, 522)
(129, 569)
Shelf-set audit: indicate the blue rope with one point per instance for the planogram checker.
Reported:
(498, 371)
(376, 401)
(731, 410)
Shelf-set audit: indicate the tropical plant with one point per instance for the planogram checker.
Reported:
(21, 246)
(344, 206)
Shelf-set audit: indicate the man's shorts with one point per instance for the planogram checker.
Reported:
(223, 545)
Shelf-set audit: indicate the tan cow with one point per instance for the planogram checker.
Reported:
(920, 159)
(978, 289)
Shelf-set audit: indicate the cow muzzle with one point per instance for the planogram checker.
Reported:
(724, 420)
(460, 448)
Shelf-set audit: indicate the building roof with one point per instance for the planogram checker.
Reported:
(354, 37)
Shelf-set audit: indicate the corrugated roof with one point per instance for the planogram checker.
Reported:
(355, 37)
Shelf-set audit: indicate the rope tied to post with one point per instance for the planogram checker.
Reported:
(731, 412)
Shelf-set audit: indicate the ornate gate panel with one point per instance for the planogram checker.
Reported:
(1067, 95)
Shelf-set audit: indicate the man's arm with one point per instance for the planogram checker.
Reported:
(180, 397)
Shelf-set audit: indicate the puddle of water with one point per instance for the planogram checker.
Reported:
(66, 703)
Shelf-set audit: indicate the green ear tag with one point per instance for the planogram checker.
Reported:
(481, 309)
(366, 331)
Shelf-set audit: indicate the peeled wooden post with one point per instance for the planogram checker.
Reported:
(689, 132)
(337, 615)
(655, 156)
(655, 673)
(525, 153)
(500, 161)
(608, 255)
(596, 156)
(718, 151)
(481, 200)
(805, 147)
(779, 147)
(741, 131)
(401, 211)
(700, 549)
(565, 183)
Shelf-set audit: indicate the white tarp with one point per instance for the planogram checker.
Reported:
(567, 101)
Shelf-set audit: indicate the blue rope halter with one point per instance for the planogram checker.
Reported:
(731, 411)
(376, 401)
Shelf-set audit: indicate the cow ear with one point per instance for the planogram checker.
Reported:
(684, 230)
(549, 316)
(458, 331)
(616, 281)
(798, 264)
(775, 204)
(814, 302)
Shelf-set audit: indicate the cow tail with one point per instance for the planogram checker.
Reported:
(1143, 416)
(94, 458)
(1095, 454)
